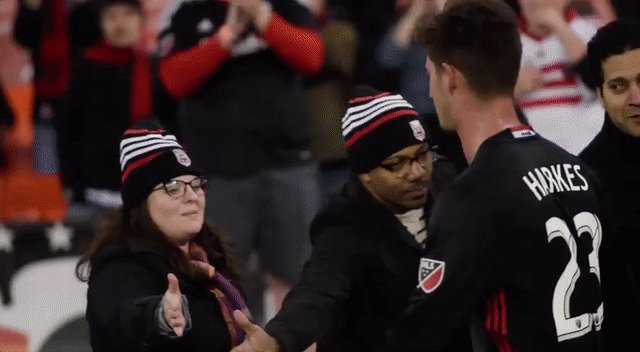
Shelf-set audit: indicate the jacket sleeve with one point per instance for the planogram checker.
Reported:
(302, 49)
(442, 308)
(181, 77)
(122, 300)
(313, 304)
(181, 47)
(27, 28)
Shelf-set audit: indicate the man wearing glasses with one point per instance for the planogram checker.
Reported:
(368, 241)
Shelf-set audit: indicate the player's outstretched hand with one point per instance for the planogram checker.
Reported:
(256, 340)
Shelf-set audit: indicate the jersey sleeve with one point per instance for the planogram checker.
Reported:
(454, 275)
(291, 35)
(181, 45)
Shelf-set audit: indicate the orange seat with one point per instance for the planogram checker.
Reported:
(25, 196)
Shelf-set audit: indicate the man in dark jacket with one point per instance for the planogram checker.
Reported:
(368, 241)
(614, 55)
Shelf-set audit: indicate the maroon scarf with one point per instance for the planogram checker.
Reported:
(227, 295)
(54, 57)
(140, 99)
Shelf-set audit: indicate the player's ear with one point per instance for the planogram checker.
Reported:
(450, 77)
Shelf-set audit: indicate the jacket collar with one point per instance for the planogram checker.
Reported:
(381, 217)
(625, 145)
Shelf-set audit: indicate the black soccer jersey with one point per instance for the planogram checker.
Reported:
(513, 246)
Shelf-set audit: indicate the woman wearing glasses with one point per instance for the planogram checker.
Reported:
(160, 278)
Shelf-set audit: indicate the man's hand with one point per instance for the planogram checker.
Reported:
(235, 25)
(256, 340)
(259, 11)
(172, 306)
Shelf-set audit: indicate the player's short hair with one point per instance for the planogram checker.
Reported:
(615, 38)
(481, 39)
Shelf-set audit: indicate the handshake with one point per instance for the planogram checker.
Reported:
(256, 339)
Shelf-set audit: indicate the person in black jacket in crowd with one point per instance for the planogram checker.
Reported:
(368, 240)
(54, 32)
(160, 278)
(111, 89)
(614, 55)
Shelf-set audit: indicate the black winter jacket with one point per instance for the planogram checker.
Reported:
(615, 156)
(363, 268)
(126, 284)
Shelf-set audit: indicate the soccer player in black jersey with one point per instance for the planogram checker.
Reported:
(513, 242)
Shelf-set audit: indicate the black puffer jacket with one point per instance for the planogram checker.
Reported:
(363, 268)
(126, 284)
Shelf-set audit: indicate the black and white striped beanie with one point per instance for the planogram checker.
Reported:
(149, 156)
(378, 124)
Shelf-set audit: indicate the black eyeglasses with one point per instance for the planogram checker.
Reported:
(178, 188)
(401, 165)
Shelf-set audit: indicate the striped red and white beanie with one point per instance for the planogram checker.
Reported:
(378, 124)
(149, 156)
